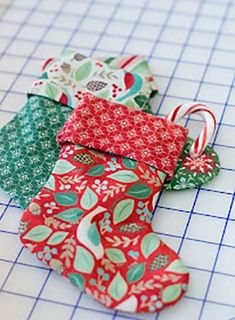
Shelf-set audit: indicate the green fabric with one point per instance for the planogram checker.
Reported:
(192, 173)
(28, 149)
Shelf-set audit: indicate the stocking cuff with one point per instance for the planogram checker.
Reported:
(110, 127)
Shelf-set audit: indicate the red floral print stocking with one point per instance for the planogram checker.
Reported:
(91, 222)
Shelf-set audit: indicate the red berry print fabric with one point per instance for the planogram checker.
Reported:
(91, 222)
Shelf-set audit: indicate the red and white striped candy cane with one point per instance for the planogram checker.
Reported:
(208, 130)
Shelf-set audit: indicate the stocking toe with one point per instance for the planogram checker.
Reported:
(144, 277)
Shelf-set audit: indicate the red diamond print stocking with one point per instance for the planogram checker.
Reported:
(91, 222)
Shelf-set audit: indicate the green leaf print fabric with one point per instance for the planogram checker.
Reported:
(67, 78)
(28, 149)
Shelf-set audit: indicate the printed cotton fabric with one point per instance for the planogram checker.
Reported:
(27, 143)
(67, 78)
(91, 221)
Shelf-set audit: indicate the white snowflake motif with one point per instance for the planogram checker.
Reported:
(138, 118)
(84, 135)
(119, 112)
(183, 183)
(152, 139)
(42, 134)
(48, 156)
(14, 143)
(171, 147)
(112, 149)
(24, 123)
(118, 137)
(13, 135)
(158, 125)
(38, 171)
(28, 139)
(124, 123)
(27, 188)
(91, 122)
(177, 131)
(112, 128)
(91, 144)
(8, 183)
(165, 162)
(104, 142)
(85, 111)
(50, 111)
(146, 152)
(10, 126)
(24, 177)
(17, 153)
(78, 126)
(2, 162)
(46, 144)
(105, 117)
(6, 170)
(99, 186)
(145, 129)
(125, 147)
(139, 143)
(202, 164)
(133, 155)
(53, 120)
(132, 133)
(99, 105)
(165, 135)
(97, 132)
(19, 164)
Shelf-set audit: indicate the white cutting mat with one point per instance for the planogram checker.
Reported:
(191, 47)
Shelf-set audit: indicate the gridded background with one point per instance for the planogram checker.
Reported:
(191, 48)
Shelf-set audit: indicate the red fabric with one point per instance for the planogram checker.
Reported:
(103, 125)
(91, 222)
(145, 267)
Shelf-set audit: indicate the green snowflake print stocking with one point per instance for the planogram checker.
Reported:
(198, 163)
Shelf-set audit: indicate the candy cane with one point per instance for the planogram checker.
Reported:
(208, 130)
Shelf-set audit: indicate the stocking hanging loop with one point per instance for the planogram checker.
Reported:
(208, 130)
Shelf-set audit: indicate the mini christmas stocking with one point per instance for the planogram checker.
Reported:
(91, 221)
(28, 149)
(198, 163)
